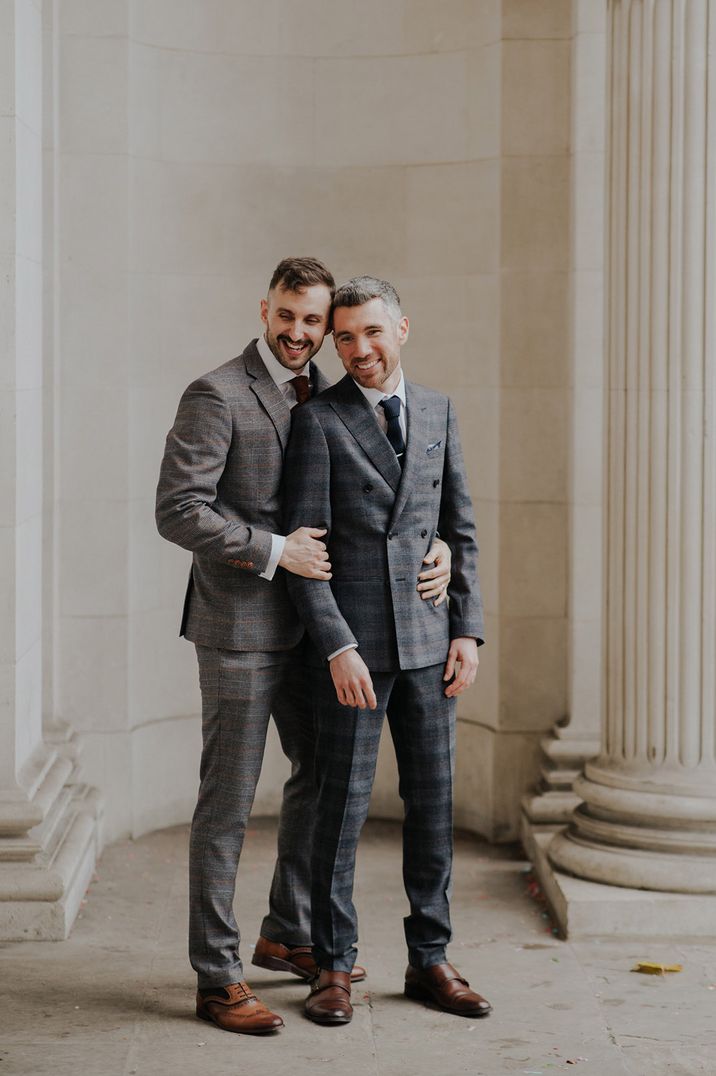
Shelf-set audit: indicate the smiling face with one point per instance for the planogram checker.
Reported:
(368, 339)
(296, 323)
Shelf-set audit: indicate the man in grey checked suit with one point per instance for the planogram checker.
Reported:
(376, 463)
(219, 495)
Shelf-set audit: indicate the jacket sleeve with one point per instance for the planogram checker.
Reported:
(307, 502)
(194, 460)
(457, 528)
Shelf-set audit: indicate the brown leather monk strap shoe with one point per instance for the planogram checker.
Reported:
(298, 961)
(330, 999)
(236, 1008)
(443, 984)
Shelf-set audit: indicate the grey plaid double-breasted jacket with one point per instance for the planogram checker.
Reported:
(341, 473)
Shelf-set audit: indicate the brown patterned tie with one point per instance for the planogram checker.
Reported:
(302, 388)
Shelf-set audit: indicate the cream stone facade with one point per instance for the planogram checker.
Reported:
(159, 158)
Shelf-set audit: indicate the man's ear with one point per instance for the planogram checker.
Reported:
(264, 311)
(403, 330)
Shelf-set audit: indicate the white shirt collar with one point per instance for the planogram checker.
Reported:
(278, 372)
(374, 396)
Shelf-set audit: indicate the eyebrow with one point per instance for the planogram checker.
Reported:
(349, 332)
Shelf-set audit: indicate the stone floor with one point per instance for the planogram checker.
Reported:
(116, 999)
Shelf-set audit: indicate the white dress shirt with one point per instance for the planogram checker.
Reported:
(283, 378)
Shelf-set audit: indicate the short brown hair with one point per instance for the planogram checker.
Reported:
(361, 289)
(294, 274)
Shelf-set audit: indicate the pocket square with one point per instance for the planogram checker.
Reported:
(431, 448)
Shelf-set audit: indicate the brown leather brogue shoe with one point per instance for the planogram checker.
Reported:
(298, 961)
(443, 984)
(330, 999)
(236, 1008)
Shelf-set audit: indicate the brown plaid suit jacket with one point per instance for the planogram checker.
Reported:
(342, 473)
(219, 495)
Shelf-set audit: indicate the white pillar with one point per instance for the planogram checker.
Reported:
(47, 821)
(648, 819)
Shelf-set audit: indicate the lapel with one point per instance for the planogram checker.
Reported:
(318, 379)
(269, 394)
(415, 449)
(356, 414)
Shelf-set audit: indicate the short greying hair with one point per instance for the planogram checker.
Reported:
(361, 289)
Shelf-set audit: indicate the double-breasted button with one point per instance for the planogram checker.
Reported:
(423, 533)
(390, 537)
(368, 487)
(436, 482)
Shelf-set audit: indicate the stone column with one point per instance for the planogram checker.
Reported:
(648, 819)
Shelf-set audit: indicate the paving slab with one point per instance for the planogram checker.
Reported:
(116, 998)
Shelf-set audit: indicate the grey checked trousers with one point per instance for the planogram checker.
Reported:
(240, 690)
(422, 725)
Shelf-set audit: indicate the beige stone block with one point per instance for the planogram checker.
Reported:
(586, 588)
(589, 192)
(28, 65)
(478, 415)
(484, 103)
(450, 25)
(533, 560)
(28, 449)
(213, 26)
(93, 327)
(8, 371)
(588, 458)
(534, 435)
(94, 442)
(165, 773)
(28, 585)
(94, 18)
(474, 778)
(28, 318)
(453, 218)
(533, 672)
(164, 680)
(92, 672)
(535, 213)
(7, 185)
(8, 455)
(151, 415)
(534, 318)
(93, 193)
(535, 97)
(7, 63)
(493, 770)
(588, 356)
(144, 100)
(93, 552)
(454, 330)
(585, 694)
(589, 16)
(28, 193)
(159, 569)
(8, 541)
(93, 112)
(417, 107)
(351, 28)
(589, 92)
(538, 18)
(107, 764)
(487, 517)
(197, 125)
(205, 321)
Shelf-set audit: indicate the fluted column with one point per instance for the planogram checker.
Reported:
(648, 819)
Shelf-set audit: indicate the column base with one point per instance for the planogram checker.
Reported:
(563, 757)
(50, 837)
(584, 909)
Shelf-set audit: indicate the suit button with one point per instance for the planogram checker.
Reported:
(436, 482)
(367, 488)
(423, 534)
(390, 537)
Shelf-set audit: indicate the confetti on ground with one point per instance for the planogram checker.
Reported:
(648, 967)
(576, 1060)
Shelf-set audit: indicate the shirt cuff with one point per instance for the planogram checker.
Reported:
(350, 646)
(277, 543)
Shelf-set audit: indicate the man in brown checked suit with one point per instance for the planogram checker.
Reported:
(219, 495)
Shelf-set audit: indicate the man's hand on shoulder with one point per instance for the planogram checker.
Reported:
(352, 681)
(462, 652)
(304, 554)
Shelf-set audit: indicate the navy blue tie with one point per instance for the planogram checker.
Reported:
(391, 406)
